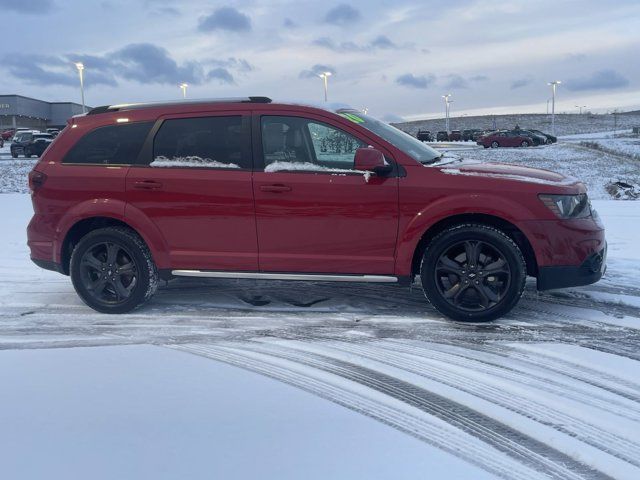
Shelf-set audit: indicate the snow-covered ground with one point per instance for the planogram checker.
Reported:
(550, 391)
(617, 160)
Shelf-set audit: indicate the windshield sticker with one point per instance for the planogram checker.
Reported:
(352, 117)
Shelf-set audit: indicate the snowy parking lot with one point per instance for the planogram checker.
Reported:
(326, 381)
(551, 391)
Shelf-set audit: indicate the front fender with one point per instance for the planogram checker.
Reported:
(416, 223)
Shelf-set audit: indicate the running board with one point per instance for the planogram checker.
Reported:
(287, 276)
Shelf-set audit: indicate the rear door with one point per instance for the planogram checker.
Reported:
(194, 184)
(314, 213)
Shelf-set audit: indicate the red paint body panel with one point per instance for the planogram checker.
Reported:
(201, 218)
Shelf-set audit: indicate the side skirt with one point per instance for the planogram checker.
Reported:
(318, 277)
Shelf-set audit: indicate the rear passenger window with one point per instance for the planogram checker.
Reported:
(111, 145)
(211, 142)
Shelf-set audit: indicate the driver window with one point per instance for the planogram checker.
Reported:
(294, 143)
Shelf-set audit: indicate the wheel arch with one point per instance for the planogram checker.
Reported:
(82, 227)
(511, 230)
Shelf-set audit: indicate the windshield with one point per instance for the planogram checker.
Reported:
(405, 142)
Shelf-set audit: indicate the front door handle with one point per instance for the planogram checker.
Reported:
(275, 188)
(147, 185)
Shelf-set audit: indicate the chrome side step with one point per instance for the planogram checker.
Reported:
(287, 276)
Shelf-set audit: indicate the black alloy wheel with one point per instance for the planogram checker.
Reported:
(112, 270)
(473, 273)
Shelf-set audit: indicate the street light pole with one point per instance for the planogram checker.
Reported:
(446, 110)
(325, 76)
(80, 67)
(554, 85)
(183, 87)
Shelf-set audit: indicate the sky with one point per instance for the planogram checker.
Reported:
(394, 57)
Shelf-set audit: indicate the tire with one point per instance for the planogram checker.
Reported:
(27, 153)
(524, 144)
(467, 291)
(495, 144)
(14, 154)
(133, 284)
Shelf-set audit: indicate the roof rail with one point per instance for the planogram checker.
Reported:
(137, 106)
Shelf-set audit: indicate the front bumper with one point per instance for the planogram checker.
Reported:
(590, 271)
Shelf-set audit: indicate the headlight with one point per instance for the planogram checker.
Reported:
(568, 206)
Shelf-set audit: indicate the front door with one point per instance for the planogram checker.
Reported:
(195, 185)
(314, 213)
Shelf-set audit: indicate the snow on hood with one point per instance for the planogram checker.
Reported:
(510, 172)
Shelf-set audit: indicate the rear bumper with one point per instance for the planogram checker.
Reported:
(590, 271)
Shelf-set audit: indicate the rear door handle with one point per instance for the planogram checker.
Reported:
(147, 185)
(275, 188)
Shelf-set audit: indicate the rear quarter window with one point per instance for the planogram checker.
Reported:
(110, 145)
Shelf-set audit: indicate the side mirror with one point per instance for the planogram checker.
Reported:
(371, 160)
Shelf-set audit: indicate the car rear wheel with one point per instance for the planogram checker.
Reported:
(495, 144)
(112, 270)
(473, 273)
(14, 154)
(524, 144)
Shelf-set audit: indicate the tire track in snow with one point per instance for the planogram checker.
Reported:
(511, 442)
(595, 436)
(528, 372)
(416, 424)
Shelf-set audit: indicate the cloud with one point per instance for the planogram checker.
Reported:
(413, 81)
(27, 7)
(166, 12)
(381, 42)
(342, 15)
(148, 63)
(144, 63)
(600, 80)
(521, 82)
(316, 70)
(288, 23)
(455, 81)
(479, 78)
(44, 70)
(225, 18)
(575, 57)
(222, 75)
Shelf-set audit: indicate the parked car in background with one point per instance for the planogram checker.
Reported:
(550, 138)
(455, 136)
(191, 190)
(53, 131)
(471, 134)
(442, 136)
(536, 137)
(424, 136)
(505, 138)
(478, 133)
(7, 134)
(30, 143)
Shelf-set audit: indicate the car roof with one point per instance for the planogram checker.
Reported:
(138, 106)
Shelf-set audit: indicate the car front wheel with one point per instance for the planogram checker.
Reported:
(495, 144)
(473, 273)
(524, 144)
(112, 270)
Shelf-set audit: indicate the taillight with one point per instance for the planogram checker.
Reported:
(36, 180)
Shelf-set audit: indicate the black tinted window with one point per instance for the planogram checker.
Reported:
(213, 142)
(115, 144)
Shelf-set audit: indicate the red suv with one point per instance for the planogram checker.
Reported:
(130, 194)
